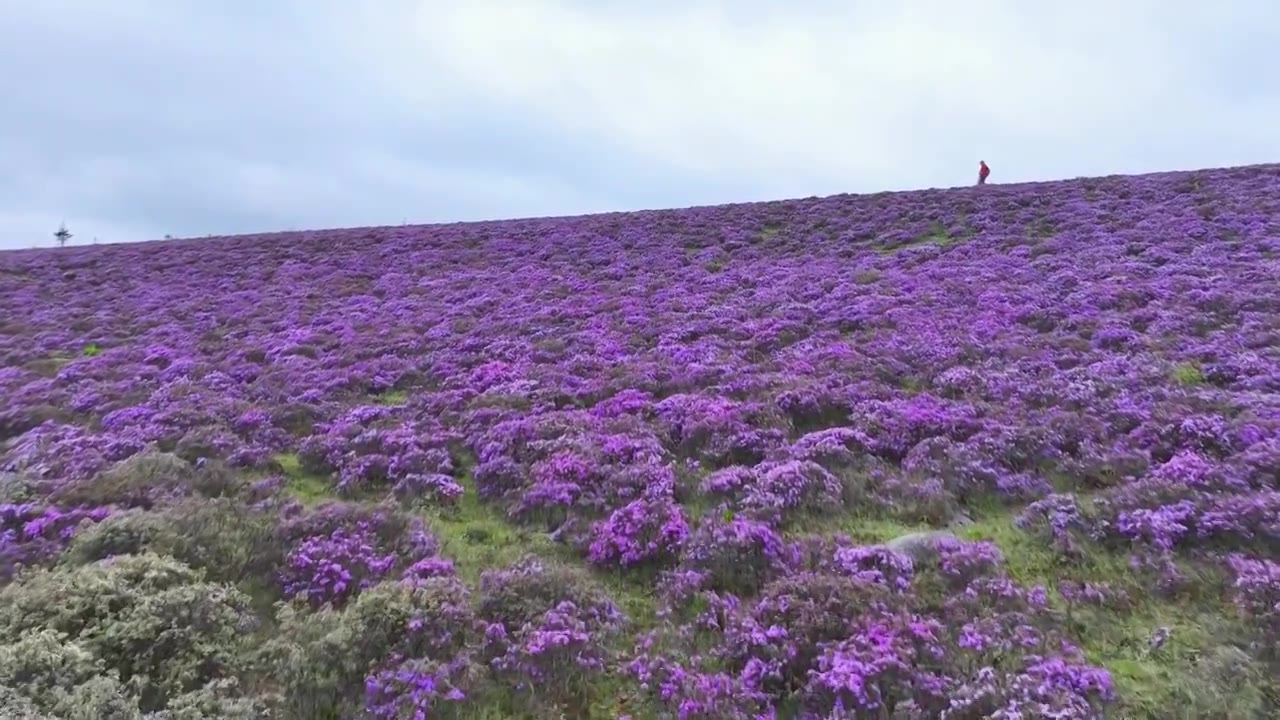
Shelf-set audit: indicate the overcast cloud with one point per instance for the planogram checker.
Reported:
(132, 119)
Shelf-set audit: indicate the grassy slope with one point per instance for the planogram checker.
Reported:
(1149, 682)
(476, 536)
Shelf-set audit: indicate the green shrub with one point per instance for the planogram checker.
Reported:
(16, 488)
(219, 700)
(100, 698)
(1188, 374)
(1225, 685)
(141, 480)
(524, 591)
(15, 706)
(229, 542)
(320, 659)
(152, 477)
(39, 663)
(152, 620)
(128, 532)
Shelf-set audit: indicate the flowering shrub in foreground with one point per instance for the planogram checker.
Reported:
(643, 531)
(342, 549)
(547, 630)
(414, 688)
(331, 568)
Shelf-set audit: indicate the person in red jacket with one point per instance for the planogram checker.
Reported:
(983, 172)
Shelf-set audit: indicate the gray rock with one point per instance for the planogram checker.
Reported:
(570, 532)
(918, 545)
(14, 487)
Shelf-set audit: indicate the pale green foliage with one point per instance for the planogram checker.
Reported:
(101, 698)
(74, 600)
(14, 706)
(149, 478)
(133, 481)
(16, 488)
(42, 661)
(223, 538)
(152, 620)
(53, 672)
(1188, 374)
(127, 532)
(524, 590)
(218, 700)
(311, 685)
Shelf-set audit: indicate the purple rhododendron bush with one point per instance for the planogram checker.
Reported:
(1005, 452)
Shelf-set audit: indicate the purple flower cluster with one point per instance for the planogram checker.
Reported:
(882, 663)
(642, 531)
(547, 632)
(778, 490)
(736, 555)
(855, 637)
(331, 568)
(63, 452)
(692, 691)
(1048, 687)
(370, 446)
(340, 550)
(963, 562)
(556, 645)
(874, 564)
(1257, 594)
(411, 689)
(31, 533)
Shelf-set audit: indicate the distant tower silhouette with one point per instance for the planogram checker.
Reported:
(63, 235)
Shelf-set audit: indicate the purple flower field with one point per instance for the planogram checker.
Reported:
(999, 452)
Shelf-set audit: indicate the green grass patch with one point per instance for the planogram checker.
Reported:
(391, 397)
(91, 350)
(476, 537)
(306, 487)
(634, 594)
(1029, 560)
(768, 232)
(936, 235)
(860, 529)
(1188, 373)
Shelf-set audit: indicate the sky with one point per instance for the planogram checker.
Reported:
(134, 119)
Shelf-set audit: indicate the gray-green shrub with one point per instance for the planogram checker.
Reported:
(152, 620)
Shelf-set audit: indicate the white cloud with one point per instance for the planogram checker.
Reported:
(823, 96)
(183, 117)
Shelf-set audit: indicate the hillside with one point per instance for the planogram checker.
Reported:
(658, 464)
